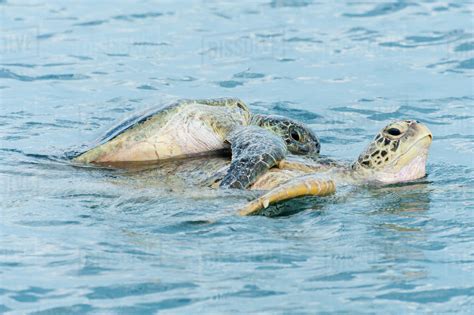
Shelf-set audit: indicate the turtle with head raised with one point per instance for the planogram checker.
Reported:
(195, 127)
(397, 154)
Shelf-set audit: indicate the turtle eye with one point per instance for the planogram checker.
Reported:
(295, 135)
(394, 132)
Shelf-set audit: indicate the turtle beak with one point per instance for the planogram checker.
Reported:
(422, 132)
(308, 150)
(315, 153)
(418, 147)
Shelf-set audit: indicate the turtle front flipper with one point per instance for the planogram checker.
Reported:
(298, 187)
(254, 151)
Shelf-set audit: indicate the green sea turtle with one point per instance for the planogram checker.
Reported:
(397, 154)
(193, 127)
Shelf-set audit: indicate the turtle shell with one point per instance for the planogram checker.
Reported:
(184, 128)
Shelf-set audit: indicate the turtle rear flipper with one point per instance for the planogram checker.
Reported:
(298, 187)
(254, 151)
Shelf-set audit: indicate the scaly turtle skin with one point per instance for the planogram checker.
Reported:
(195, 127)
(397, 154)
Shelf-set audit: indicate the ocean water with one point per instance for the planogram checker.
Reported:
(85, 240)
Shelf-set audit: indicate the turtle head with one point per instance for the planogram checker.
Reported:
(397, 154)
(299, 138)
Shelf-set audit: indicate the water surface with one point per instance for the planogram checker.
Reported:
(86, 240)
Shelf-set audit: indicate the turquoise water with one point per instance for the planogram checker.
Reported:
(75, 240)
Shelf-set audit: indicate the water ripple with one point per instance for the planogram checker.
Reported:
(229, 84)
(429, 296)
(153, 307)
(437, 38)
(288, 109)
(465, 47)
(115, 292)
(466, 64)
(72, 310)
(290, 3)
(382, 9)
(7, 74)
(91, 23)
(135, 16)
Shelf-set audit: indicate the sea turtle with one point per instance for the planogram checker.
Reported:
(193, 127)
(397, 154)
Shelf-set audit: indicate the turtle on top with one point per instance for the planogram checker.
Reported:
(193, 127)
